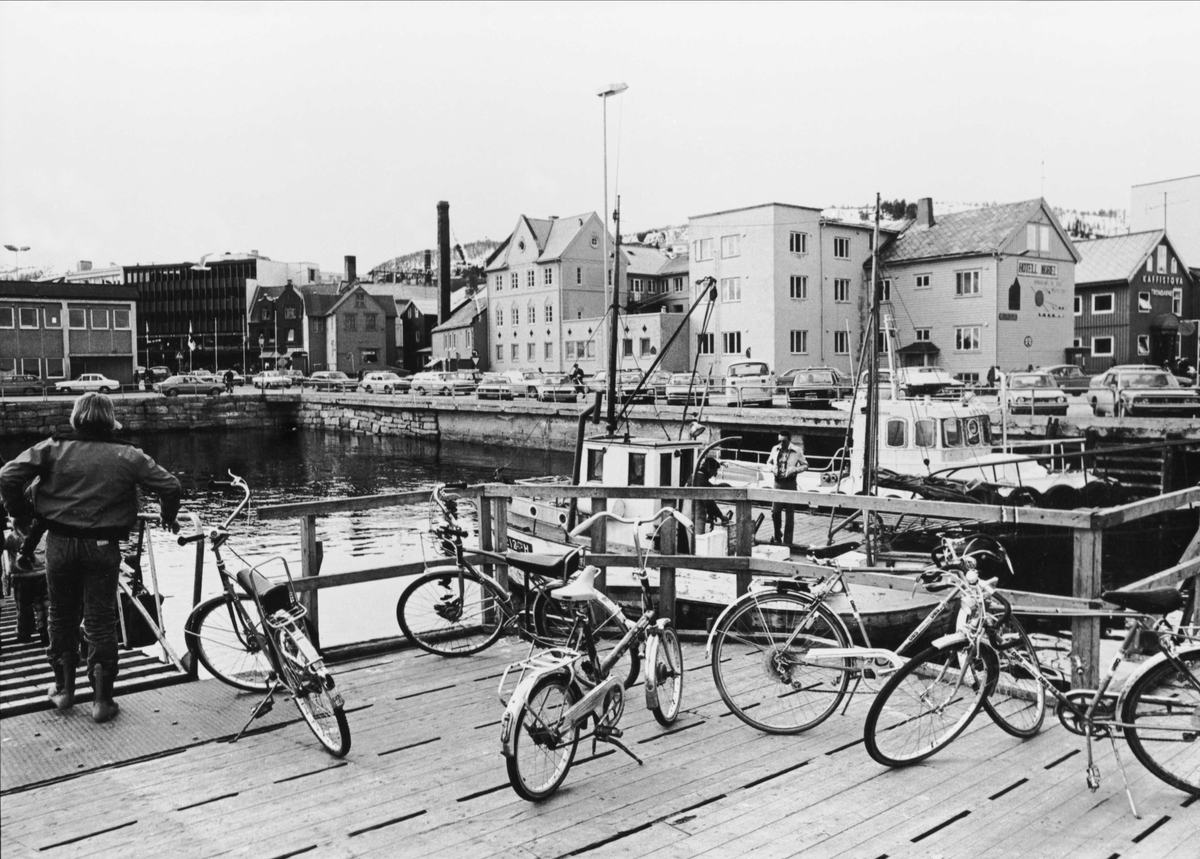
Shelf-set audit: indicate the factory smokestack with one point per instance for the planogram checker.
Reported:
(351, 264)
(443, 210)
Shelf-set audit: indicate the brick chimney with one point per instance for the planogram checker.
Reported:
(925, 212)
(351, 268)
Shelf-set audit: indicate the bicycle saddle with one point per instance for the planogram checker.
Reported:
(1157, 601)
(547, 566)
(579, 590)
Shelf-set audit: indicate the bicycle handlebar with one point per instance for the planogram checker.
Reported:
(587, 523)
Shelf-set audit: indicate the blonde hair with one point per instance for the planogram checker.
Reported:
(94, 412)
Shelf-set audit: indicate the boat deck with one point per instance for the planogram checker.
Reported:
(425, 777)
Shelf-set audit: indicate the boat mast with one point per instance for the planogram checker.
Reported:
(871, 440)
(614, 334)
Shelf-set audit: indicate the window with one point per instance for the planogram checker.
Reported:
(966, 339)
(925, 434)
(841, 290)
(291, 335)
(499, 282)
(52, 317)
(591, 348)
(531, 313)
(704, 249)
(841, 248)
(29, 318)
(360, 299)
(6, 317)
(548, 311)
(369, 320)
(530, 278)
(922, 335)
(578, 275)
(731, 342)
(549, 277)
(1079, 305)
(1102, 347)
(55, 368)
(799, 286)
(1143, 344)
(318, 326)
(644, 346)
(1162, 259)
(569, 347)
(799, 343)
(595, 464)
(351, 320)
(627, 347)
(369, 356)
(798, 243)
(516, 315)
(1102, 302)
(500, 352)
(1031, 240)
(99, 319)
(1174, 266)
(514, 351)
(637, 469)
(922, 281)
(512, 280)
(706, 343)
(1150, 263)
(841, 342)
(499, 316)
(1143, 302)
(637, 284)
(885, 289)
(966, 282)
(120, 320)
(1177, 302)
(730, 246)
(548, 351)
(731, 289)
(678, 283)
(1077, 342)
(77, 318)
(531, 351)
(265, 314)
(31, 367)
(290, 312)
(897, 430)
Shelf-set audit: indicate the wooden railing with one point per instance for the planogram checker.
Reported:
(1087, 526)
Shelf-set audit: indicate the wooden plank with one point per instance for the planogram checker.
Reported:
(1085, 631)
(668, 538)
(339, 505)
(310, 568)
(1168, 577)
(1179, 500)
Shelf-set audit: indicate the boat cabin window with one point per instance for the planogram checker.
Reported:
(664, 470)
(686, 464)
(595, 464)
(897, 429)
(951, 434)
(926, 434)
(637, 469)
(974, 431)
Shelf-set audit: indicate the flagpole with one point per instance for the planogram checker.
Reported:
(216, 351)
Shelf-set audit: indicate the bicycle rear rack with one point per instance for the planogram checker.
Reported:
(542, 662)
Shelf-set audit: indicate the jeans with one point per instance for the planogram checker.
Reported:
(83, 572)
(785, 511)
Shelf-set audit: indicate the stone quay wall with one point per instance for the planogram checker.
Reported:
(41, 418)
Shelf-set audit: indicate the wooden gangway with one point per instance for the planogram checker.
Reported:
(425, 778)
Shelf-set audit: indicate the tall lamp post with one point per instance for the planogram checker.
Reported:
(604, 94)
(16, 257)
(275, 321)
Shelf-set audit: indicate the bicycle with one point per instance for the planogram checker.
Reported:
(782, 660)
(558, 690)
(1158, 709)
(267, 648)
(456, 610)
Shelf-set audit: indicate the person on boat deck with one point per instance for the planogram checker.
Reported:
(707, 512)
(786, 461)
(87, 495)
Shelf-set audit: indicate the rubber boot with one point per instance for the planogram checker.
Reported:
(63, 693)
(103, 705)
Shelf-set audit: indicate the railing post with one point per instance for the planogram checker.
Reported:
(500, 515)
(189, 660)
(743, 541)
(487, 531)
(600, 544)
(668, 545)
(1085, 631)
(310, 566)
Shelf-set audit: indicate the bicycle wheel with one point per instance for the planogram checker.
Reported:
(762, 668)
(1162, 715)
(555, 621)
(543, 747)
(927, 703)
(452, 613)
(1018, 702)
(666, 668)
(312, 689)
(227, 639)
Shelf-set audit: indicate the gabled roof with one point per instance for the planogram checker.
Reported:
(972, 233)
(676, 265)
(552, 236)
(642, 260)
(464, 315)
(319, 298)
(1115, 257)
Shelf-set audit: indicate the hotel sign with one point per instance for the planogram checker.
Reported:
(1037, 269)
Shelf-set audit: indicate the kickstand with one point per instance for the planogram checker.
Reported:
(610, 736)
(850, 696)
(1121, 767)
(261, 709)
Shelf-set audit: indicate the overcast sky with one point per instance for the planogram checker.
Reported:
(138, 132)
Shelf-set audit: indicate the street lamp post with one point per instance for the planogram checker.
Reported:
(16, 257)
(275, 323)
(605, 94)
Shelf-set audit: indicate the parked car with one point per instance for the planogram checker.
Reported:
(173, 386)
(157, 374)
(1141, 392)
(88, 382)
(691, 388)
(441, 382)
(818, 387)
(1034, 394)
(557, 388)
(382, 382)
(271, 379)
(330, 380)
(494, 386)
(657, 382)
(524, 382)
(928, 382)
(783, 382)
(749, 383)
(21, 383)
(628, 381)
(1069, 377)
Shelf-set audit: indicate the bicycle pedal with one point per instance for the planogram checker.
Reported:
(1093, 779)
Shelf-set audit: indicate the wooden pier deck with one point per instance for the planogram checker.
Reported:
(425, 778)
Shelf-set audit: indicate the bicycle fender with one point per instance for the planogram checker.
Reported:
(520, 697)
(652, 645)
(749, 595)
(950, 640)
(1150, 663)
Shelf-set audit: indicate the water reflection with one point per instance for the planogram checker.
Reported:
(306, 465)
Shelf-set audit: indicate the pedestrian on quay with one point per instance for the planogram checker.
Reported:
(229, 381)
(707, 512)
(86, 495)
(786, 461)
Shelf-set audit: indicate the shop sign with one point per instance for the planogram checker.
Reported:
(1037, 269)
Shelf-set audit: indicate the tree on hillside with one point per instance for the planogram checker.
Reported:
(897, 210)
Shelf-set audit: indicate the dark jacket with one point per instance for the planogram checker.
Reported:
(86, 485)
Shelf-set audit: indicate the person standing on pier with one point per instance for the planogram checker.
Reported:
(86, 494)
(786, 461)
